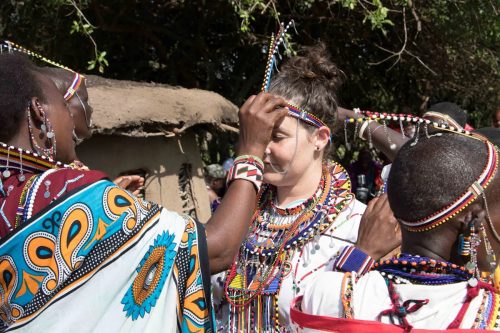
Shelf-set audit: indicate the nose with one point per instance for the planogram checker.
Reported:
(268, 149)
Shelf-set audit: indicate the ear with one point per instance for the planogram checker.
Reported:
(37, 111)
(322, 137)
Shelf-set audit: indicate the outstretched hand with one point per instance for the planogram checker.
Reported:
(131, 183)
(258, 116)
(379, 231)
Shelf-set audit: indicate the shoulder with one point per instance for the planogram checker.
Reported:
(53, 184)
(347, 222)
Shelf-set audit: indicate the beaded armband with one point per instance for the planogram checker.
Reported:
(249, 168)
(352, 259)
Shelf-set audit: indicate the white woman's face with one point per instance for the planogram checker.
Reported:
(290, 153)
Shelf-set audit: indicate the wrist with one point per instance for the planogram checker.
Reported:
(255, 150)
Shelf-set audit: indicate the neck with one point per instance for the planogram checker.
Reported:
(438, 244)
(303, 188)
(21, 139)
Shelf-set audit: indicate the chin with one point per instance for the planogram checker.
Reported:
(273, 178)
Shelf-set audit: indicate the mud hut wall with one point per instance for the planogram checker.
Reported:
(163, 158)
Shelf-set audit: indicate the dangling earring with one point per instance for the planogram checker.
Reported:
(47, 131)
(490, 254)
(6, 172)
(464, 245)
(21, 177)
(474, 243)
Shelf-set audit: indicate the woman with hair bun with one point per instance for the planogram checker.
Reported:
(307, 218)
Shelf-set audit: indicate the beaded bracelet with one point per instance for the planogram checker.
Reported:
(249, 168)
(363, 128)
(252, 159)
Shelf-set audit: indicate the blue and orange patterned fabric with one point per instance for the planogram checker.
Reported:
(99, 259)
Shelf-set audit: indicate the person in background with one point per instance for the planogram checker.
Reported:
(215, 179)
(365, 176)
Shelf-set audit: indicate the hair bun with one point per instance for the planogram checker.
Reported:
(314, 63)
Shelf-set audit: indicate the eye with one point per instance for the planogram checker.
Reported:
(278, 137)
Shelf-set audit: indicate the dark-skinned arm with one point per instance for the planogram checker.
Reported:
(229, 224)
(379, 137)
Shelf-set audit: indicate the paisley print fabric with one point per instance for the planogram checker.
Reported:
(99, 259)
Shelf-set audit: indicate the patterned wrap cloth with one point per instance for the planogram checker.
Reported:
(92, 257)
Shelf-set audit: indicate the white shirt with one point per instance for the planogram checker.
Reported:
(371, 296)
(344, 231)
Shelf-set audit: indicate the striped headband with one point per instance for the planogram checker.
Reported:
(444, 117)
(274, 44)
(77, 80)
(475, 190)
(296, 112)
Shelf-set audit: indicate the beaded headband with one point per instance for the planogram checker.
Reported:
(475, 190)
(77, 80)
(444, 117)
(274, 44)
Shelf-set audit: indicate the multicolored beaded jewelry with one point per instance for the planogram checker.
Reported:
(254, 280)
(475, 190)
(77, 80)
(75, 84)
(10, 46)
(423, 270)
(249, 168)
(294, 111)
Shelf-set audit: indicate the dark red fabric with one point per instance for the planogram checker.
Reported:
(342, 325)
(57, 179)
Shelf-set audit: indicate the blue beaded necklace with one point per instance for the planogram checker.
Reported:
(423, 270)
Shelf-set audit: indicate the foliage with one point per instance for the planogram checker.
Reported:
(399, 53)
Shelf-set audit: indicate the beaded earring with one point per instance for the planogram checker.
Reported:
(47, 131)
(475, 240)
(464, 245)
(490, 254)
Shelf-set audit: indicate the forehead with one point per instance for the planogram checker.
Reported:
(288, 124)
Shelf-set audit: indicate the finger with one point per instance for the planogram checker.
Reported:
(262, 97)
(371, 204)
(123, 182)
(273, 104)
(278, 115)
(248, 102)
(381, 201)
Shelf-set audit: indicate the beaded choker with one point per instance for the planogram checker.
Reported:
(475, 190)
(12, 158)
(293, 110)
(422, 270)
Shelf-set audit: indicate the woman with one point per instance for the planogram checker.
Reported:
(74, 245)
(73, 87)
(306, 213)
(445, 192)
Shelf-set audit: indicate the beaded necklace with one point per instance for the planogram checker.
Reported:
(423, 270)
(254, 280)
